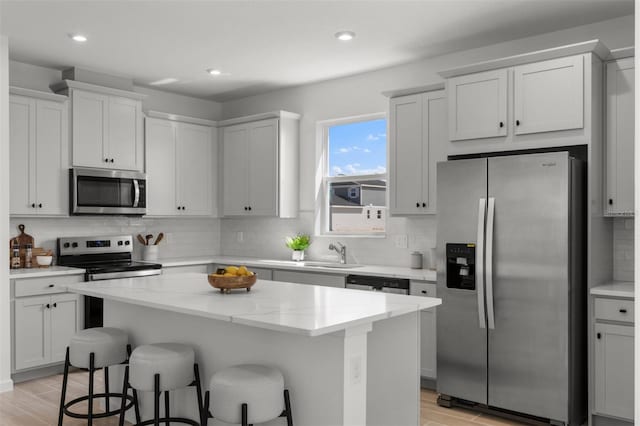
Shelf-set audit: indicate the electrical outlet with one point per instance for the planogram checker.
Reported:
(402, 241)
(239, 236)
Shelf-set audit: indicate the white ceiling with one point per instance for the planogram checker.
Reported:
(265, 45)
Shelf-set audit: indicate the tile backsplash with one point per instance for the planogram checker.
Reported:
(623, 249)
(183, 237)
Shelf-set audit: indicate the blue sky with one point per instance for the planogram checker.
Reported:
(358, 148)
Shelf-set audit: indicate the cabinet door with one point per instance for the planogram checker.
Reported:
(65, 322)
(22, 119)
(549, 96)
(263, 168)
(619, 137)
(434, 132)
(194, 169)
(124, 131)
(478, 105)
(326, 280)
(614, 370)
(161, 168)
(406, 152)
(32, 325)
(428, 343)
(52, 158)
(235, 168)
(89, 119)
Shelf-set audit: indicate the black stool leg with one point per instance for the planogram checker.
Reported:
(166, 408)
(106, 388)
(205, 410)
(156, 400)
(196, 373)
(245, 420)
(90, 400)
(136, 406)
(64, 387)
(287, 407)
(125, 387)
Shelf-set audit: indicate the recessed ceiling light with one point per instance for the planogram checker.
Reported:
(345, 35)
(163, 81)
(78, 37)
(214, 71)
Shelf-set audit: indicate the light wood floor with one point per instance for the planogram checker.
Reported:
(35, 403)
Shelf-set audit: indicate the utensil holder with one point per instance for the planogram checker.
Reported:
(150, 253)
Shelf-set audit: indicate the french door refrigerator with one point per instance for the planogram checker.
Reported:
(511, 249)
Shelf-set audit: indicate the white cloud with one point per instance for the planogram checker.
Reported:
(372, 137)
(354, 169)
(344, 150)
(366, 150)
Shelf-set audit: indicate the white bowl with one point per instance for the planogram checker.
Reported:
(44, 260)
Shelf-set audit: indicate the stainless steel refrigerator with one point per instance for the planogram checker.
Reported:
(511, 261)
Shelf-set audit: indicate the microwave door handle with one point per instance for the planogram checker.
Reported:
(136, 193)
(482, 206)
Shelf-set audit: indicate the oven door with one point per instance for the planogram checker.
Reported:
(95, 191)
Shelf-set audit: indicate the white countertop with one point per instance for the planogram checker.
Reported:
(293, 308)
(615, 289)
(43, 272)
(377, 270)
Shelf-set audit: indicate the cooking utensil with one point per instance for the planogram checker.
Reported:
(148, 237)
(160, 237)
(141, 240)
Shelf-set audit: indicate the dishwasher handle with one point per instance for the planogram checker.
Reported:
(361, 287)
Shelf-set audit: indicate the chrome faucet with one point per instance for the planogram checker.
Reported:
(341, 250)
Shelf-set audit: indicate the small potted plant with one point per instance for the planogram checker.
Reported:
(298, 244)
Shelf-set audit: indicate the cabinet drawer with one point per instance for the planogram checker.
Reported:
(46, 285)
(417, 288)
(614, 310)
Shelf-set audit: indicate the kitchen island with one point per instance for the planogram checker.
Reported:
(348, 357)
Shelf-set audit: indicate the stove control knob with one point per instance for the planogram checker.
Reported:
(126, 243)
(66, 245)
(119, 243)
(74, 245)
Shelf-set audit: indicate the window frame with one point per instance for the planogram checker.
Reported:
(323, 180)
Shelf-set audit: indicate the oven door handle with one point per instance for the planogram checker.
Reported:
(136, 193)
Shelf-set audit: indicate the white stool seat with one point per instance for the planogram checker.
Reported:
(172, 361)
(258, 386)
(109, 346)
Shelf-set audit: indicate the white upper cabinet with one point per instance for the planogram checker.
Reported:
(107, 126)
(180, 168)
(260, 165)
(478, 105)
(418, 135)
(549, 95)
(39, 151)
(619, 122)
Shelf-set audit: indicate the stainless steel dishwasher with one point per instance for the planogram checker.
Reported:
(373, 283)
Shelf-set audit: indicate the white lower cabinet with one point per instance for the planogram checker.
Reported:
(428, 349)
(613, 354)
(314, 278)
(43, 324)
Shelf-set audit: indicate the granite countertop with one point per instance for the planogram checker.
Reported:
(288, 307)
(51, 271)
(374, 270)
(615, 289)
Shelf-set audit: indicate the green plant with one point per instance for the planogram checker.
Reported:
(299, 242)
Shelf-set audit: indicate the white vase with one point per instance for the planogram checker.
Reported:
(297, 255)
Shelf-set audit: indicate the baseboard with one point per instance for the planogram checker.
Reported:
(428, 383)
(6, 385)
(37, 373)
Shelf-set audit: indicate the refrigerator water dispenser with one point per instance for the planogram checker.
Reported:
(461, 266)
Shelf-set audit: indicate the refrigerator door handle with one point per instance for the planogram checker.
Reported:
(489, 263)
(482, 205)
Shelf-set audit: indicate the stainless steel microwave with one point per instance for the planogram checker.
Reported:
(102, 192)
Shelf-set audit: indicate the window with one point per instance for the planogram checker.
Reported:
(354, 176)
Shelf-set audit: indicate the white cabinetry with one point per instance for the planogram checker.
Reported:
(180, 168)
(106, 126)
(428, 336)
(613, 353)
(260, 165)
(44, 321)
(417, 143)
(314, 278)
(39, 150)
(619, 122)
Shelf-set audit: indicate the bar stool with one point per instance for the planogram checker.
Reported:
(248, 394)
(162, 367)
(92, 349)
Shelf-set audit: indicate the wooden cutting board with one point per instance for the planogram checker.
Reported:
(22, 240)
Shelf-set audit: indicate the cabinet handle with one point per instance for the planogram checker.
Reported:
(623, 311)
(610, 201)
(249, 208)
(55, 305)
(48, 306)
(111, 160)
(106, 160)
(33, 205)
(417, 204)
(517, 122)
(423, 291)
(183, 207)
(598, 335)
(501, 124)
(424, 204)
(40, 205)
(51, 285)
